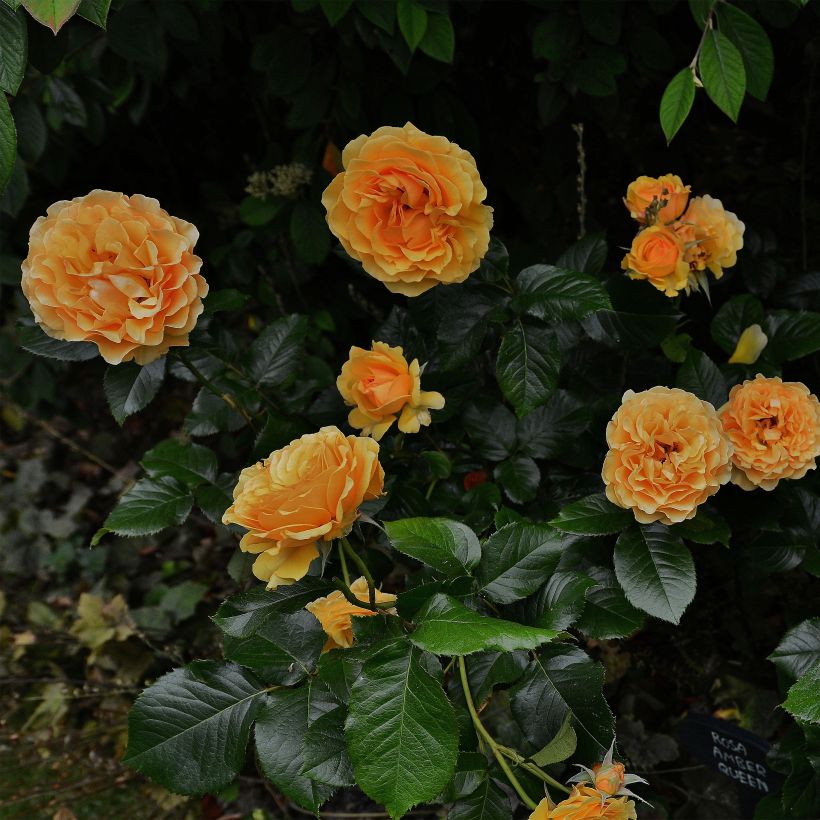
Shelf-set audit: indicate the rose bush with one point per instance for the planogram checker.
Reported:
(473, 510)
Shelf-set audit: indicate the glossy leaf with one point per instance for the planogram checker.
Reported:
(447, 546)
(324, 754)
(130, 387)
(13, 49)
(593, 515)
(556, 295)
(51, 13)
(149, 506)
(722, 72)
(277, 351)
(754, 46)
(676, 102)
(799, 650)
(700, 375)
(31, 337)
(527, 366)
(802, 700)
(192, 464)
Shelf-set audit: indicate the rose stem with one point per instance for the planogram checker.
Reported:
(532, 768)
(488, 738)
(345, 590)
(371, 587)
(343, 560)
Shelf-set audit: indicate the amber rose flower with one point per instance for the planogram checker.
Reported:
(667, 454)
(117, 271)
(334, 613)
(382, 387)
(650, 192)
(306, 492)
(774, 427)
(585, 802)
(712, 235)
(657, 254)
(409, 207)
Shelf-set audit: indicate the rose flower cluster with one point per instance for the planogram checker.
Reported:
(680, 237)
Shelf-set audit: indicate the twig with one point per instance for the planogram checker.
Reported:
(343, 561)
(578, 128)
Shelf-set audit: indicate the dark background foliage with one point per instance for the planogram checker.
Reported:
(182, 101)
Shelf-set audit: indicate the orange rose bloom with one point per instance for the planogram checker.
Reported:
(669, 188)
(117, 271)
(309, 491)
(667, 454)
(334, 613)
(608, 778)
(775, 429)
(712, 235)
(381, 385)
(657, 254)
(409, 207)
(585, 802)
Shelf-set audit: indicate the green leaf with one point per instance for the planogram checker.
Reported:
(593, 515)
(587, 255)
(561, 747)
(189, 463)
(656, 571)
(495, 264)
(548, 430)
(130, 387)
(211, 414)
(335, 9)
(214, 498)
(95, 11)
(226, 299)
(491, 428)
(802, 700)
(277, 351)
(379, 13)
(283, 650)
(555, 36)
(33, 339)
(257, 211)
(799, 650)
(519, 476)
(439, 39)
(560, 602)
(149, 506)
(557, 295)
(607, 613)
(325, 757)
(13, 49)
(188, 731)
(517, 559)
(401, 732)
(412, 22)
(244, 614)
(445, 626)
(488, 802)
(631, 331)
(792, 335)
(733, 318)
(563, 681)
(32, 134)
(676, 102)
(447, 546)
(486, 670)
(527, 366)
(51, 13)
(309, 232)
(722, 72)
(705, 528)
(700, 375)
(460, 336)
(282, 724)
(753, 44)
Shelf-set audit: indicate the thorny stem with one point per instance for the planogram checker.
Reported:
(488, 738)
(212, 388)
(357, 560)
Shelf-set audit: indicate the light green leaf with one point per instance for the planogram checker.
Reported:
(721, 70)
(517, 559)
(803, 699)
(283, 721)
(676, 102)
(130, 387)
(527, 366)
(753, 44)
(447, 546)
(188, 731)
(556, 295)
(13, 49)
(51, 13)
(33, 339)
(799, 650)
(561, 747)
(593, 515)
(445, 626)
(189, 463)
(439, 39)
(656, 571)
(563, 681)
(412, 22)
(401, 733)
(149, 506)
